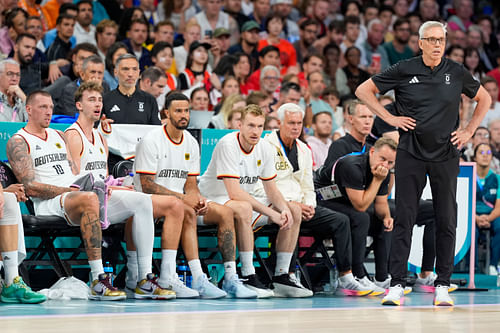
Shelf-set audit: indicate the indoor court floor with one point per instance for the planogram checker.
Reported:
(474, 312)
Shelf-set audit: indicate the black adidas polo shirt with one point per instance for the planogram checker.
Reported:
(432, 98)
(138, 108)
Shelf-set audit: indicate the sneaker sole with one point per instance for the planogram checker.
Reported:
(376, 293)
(261, 293)
(443, 303)
(424, 289)
(107, 298)
(281, 290)
(22, 301)
(154, 297)
(392, 302)
(350, 292)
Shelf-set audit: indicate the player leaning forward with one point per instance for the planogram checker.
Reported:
(239, 160)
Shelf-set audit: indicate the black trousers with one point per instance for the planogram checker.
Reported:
(410, 182)
(359, 224)
(381, 244)
(425, 218)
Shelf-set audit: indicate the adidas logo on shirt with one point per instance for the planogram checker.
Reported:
(38, 147)
(114, 108)
(414, 80)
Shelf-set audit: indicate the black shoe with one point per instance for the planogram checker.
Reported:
(252, 282)
(286, 286)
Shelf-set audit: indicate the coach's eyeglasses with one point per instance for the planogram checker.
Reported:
(434, 40)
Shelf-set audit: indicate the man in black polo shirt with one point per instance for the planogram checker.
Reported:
(127, 104)
(427, 90)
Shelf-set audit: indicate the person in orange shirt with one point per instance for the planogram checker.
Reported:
(34, 9)
(288, 55)
(51, 11)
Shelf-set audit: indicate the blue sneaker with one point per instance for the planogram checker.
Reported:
(235, 288)
(207, 289)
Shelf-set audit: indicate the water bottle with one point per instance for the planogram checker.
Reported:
(189, 277)
(297, 273)
(128, 180)
(108, 269)
(214, 275)
(334, 279)
(183, 273)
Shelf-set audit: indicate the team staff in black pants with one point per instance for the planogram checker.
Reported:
(427, 90)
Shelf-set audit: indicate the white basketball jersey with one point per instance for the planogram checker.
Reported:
(49, 156)
(229, 160)
(93, 155)
(171, 163)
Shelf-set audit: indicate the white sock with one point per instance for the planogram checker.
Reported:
(168, 265)
(10, 266)
(132, 269)
(246, 259)
(282, 263)
(144, 266)
(229, 270)
(96, 268)
(195, 267)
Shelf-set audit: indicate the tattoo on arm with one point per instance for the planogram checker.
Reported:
(150, 186)
(22, 165)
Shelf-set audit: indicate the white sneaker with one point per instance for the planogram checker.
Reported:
(206, 289)
(349, 286)
(235, 288)
(252, 282)
(286, 285)
(181, 291)
(386, 284)
(395, 296)
(427, 285)
(492, 270)
(367, 283)
(441, 297)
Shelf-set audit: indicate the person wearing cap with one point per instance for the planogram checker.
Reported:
(283, 8)
(249, 39)
(196, 74)
(220, 45)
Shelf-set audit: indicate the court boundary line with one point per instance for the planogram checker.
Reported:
(127, 314)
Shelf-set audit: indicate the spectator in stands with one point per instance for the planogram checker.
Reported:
(475, 40)
(130, 14)
(249, 39)
(413, 43)
(429, 10)
(229, 87)
(401, 8)
(196, 74)
(464, 9)
(457, 37)
(386, 15)
(84, 31)
(260, 99)
(320, 13)
(312, 101)
(35, 28)
(312, 63)
(415, 22)
(72, 70)
(105, 36)
(12, 98)
(49, 37)
(153, 81)
(199, 100)
(490, 41)
(269, 81)
(137, 36)
(261, 8)
(332, 97)
(338, 79)
(321, 140)
(495, 73)
(373, 48)
(269, 55)
(271, 123)
(15, 24)
(456, 53)
(234, 118)
(91, 70)
(233, 102)
(191, 34)
(212, 17)
(33, 8)
(289, 93)
(233, 9)
(352, 28)
(220, 45)
(398, 49)
(274, 27)
(61, 46)
(199, 116)
(164, 31)
(481, 135)
(14, 289)
(176, 11)
(491, 86)
(487, 201)
(335, 34)
(150, 11)
(114, 52)
(494, 128)
(51, 10)
(304, 45)
(473, 63)
(241, 70)
(127, 104)
(283, 8)
(33, 75)
(162, 56)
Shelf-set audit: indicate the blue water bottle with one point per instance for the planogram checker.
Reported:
(108, 269)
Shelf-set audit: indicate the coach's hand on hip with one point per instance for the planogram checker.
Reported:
(460, 137)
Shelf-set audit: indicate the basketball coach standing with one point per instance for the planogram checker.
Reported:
(428, 92)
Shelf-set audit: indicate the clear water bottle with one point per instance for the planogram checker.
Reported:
(128, 180)
(183, 273)
(214, 278)
(108, 269)
(334, 279)
(298, 274)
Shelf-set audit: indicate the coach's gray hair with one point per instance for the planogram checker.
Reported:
(95, 59)
(430, 24)
(7, 61)
(289, 107)
(123, 57)
(268, 68)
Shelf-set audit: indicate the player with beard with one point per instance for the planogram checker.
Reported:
(167, 162)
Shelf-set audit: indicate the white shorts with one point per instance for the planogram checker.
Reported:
(54, 206)
(258, 220)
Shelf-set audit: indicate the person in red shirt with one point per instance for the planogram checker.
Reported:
(288, 55)
(269, 55)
